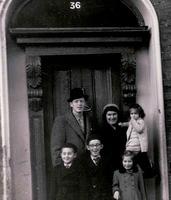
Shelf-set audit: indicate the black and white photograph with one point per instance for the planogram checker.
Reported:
(85, 99)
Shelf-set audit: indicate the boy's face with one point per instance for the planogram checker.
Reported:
(68, 155)
(78, 105)
(95, 147)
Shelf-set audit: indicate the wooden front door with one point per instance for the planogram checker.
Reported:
(99, 75)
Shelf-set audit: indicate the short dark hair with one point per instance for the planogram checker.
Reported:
(93, 136)
(139, 109)
(69, 145)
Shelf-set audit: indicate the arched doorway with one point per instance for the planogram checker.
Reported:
(155, 111)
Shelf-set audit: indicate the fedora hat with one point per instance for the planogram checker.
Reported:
(77, 93)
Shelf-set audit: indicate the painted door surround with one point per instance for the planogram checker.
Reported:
(65, 47)
(14, 110)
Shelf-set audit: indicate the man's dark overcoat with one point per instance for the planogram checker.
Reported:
(66, 129)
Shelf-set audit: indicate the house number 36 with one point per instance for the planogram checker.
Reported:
(75, 5)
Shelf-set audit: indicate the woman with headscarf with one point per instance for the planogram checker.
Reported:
(113, 135)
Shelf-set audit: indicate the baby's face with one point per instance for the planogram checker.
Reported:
(94, 147)
(127, 162)
(68, 155)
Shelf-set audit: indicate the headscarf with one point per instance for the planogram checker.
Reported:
(110, 107)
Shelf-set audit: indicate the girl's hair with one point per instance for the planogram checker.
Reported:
(139, 109)
(131, 155)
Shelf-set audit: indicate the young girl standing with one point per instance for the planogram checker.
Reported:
(137, 139)
(128, 181)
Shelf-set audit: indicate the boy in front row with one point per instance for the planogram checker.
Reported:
(97, 170)
(69, 176)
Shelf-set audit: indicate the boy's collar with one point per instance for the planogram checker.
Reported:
(97, 157)
(67, 165)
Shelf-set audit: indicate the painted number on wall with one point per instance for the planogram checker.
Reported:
(75, 5)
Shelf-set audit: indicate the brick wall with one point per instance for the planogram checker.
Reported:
(163, 10)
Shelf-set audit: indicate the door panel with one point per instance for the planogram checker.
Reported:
(99, 75)
(60, 90)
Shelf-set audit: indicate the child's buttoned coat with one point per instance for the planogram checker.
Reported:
(129, 185)
(70, 183)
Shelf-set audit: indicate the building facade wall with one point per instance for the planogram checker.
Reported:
(1, 164)
(163, 10)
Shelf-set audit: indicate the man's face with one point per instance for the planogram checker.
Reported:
(94, 147)
(112, 117)
(68, 155)
(78, 105)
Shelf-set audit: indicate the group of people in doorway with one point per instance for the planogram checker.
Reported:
(109, 162)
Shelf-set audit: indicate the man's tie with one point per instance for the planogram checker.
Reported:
(81, 123)
(96, 160)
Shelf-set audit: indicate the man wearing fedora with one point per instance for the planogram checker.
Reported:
(73, 127)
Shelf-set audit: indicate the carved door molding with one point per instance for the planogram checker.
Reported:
(35, 92)
(128, 77)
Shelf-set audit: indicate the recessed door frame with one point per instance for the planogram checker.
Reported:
(35, 92)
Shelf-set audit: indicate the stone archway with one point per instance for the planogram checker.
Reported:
(10, 116)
